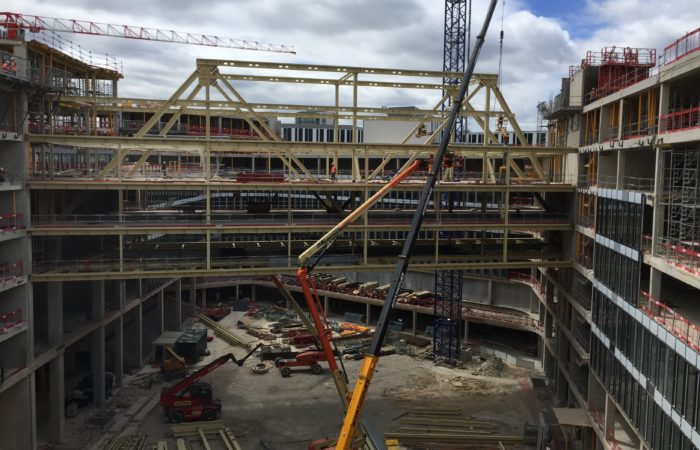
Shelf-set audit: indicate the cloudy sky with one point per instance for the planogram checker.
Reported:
(541, 38)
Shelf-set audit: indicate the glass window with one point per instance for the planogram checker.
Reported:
(679, 385)
(691, 396)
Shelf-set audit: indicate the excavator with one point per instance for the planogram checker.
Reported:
(354, 402)
(191, 399)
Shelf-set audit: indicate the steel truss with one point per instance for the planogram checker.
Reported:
(210, 92)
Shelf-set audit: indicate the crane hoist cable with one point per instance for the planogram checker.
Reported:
(500, 50)
(500, 55)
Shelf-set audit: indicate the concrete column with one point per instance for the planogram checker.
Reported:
(160, 311)
(178, 303)
(326, 309)
(489, 293)
(252, 293)
(57, 395)
(664, 98)
(609, 417)
(414, 322)
(368, 313)
(621, 114)
(33, 438)
(655, 283)
(620, 172)
(659, 212)
(139, 332)
(55, 313)
(97, 354)
(238, 293)
(193, 291)
(97, 357)
(466, 330)
(119, 350)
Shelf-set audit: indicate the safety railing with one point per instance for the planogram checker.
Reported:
(682, 255)
(638, 130)
(681, 47)
(672, 321)
(14, 66)
(11, 274)
(585, 261)
(609, 134)
(189, 129)
(380, 217)
(11, 222)
(627, 183)
(685, 119)
(10, 320)
(529, 279)
(618, 82)
(514, 319)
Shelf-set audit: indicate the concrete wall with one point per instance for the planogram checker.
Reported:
(390, 132)
(486, 292)
(15, 426)
(511, 295)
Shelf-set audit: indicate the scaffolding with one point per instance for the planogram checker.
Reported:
(682, 241)
(455, 50)
(447, 316)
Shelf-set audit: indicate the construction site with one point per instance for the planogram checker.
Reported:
(211, 270)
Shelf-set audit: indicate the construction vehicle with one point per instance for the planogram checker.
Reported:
(369, 363)
(191, 399)
(309, 359)
(173, 365)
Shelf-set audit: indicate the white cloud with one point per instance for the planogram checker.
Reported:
(385, 33)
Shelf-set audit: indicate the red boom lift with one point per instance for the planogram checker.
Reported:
(191, 399)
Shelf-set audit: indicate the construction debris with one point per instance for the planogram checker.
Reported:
(206, 431)
(127, 442)
(430, 426)
(224, 333)
(492, 367)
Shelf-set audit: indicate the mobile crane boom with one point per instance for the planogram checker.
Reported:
(370, 361)
(201, 373)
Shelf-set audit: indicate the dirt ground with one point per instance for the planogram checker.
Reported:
(287, 413)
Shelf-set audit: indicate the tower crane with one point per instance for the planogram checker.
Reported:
(14, 23)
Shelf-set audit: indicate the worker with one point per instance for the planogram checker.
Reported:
(6, 66)
(447, 167)
(333, 172)
(13, 66)
(164, 167)
(2, 174)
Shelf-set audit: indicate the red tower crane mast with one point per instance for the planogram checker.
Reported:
(15, 22)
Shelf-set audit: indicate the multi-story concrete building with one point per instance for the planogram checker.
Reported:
(621, 328)
(119, 214)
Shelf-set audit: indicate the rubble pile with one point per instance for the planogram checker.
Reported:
(492, 367)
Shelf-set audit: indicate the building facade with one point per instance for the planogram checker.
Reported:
(622, 326)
